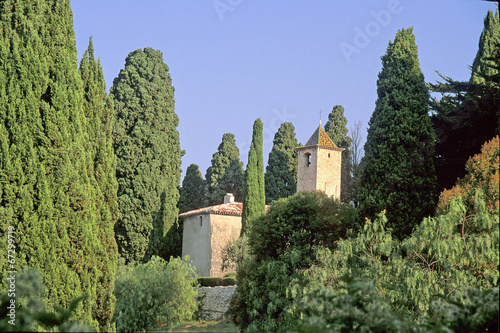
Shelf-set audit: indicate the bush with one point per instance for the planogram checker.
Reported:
(282, 244)
(155, 293)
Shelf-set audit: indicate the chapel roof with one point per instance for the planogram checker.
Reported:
(320, 138)
(230, 208)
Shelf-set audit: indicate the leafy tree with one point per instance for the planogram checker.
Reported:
(254, 196)
(191, 192)
(336, 128)
(225, 175)
(155, 294)
(467, 113)
(398, 173)
(98, 109)
(148, 152)
(46, 191)
(482, 173)
(281, 169)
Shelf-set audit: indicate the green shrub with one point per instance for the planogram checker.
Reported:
(282, 244)
(155, 293)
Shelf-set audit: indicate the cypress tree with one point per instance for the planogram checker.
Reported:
(467, 114)
(281, 169)
(46, 192)
(98, 108)
(147, 147)
(336, 128)
(191, 192)
(254, 201)
(225, 174)
(398, 166)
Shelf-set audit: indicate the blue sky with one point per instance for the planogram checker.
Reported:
(233, 61)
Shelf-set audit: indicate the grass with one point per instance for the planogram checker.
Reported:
(223, 326)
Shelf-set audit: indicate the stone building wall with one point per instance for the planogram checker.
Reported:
(196, 242)
(224, 228)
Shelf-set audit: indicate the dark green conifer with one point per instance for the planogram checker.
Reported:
(98, 108)
(46, 191)
(225, 174)
(398, 167)
(254, 201)
(147, 147)
(336, 128)
(467, 113)
(191, 192)
(281, 169)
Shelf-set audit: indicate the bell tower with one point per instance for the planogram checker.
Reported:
(319, 165)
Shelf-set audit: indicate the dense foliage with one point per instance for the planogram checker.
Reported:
(191, 191)
(467, 113)
(30, 310)
(398, 167)
(336, 128)
(225, 174)
(254, 200)
(98, 109)
(328, 280)
(282, 244)
(153, 294)
(148, 152)
(281, 169)
(48, 184)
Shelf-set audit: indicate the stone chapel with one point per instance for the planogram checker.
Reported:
(208, 230)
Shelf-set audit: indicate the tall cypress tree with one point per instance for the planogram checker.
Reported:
(191, 192)
(398, 167)
(225, 174)
(467, 113)
(147, 147)
(254, 201)
(336, 128)
(281, 169)
(98, 109)
(46, 192)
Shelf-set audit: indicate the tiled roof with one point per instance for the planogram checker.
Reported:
(320, 138)
(230, 208)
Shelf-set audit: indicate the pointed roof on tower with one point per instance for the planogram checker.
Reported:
(320, 138)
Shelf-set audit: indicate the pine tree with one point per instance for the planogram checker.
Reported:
(225, 174)
(46, 191)
(467, 114)
(98, 109)
(398, 167)
(146, 144)
(191, 192)
(336, 128)
(281, 169)
(254, 201)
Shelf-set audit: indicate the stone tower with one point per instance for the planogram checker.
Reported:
(319, 165)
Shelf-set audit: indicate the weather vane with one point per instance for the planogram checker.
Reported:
(320, 117)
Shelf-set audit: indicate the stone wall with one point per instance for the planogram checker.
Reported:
(215, 301)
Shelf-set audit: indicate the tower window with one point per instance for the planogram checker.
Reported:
(328, 155)
(308, 160)
(201, 220)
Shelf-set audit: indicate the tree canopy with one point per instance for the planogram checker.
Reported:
(146, 143)
(398, 167)
(281, 170)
